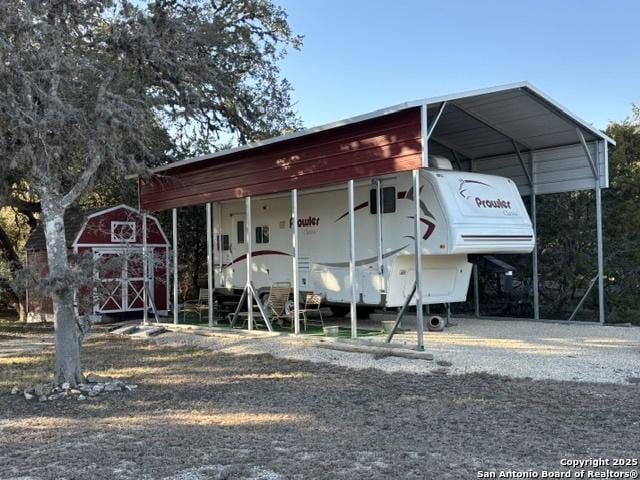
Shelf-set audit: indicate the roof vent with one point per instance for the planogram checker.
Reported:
(439, 162)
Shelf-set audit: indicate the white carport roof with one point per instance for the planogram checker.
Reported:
(519, 111)
(497, 130)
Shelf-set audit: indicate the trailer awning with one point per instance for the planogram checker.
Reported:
(513, 130)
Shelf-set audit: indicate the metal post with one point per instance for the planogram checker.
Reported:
(209, 266)
(584, 297)
(476, 291)
(352, 259)
(248, 240)
(601, 314)
(424, 130)
(145, 273)
(26, 283)
(418, 258)
(175, 264)
(401, 313)
(534, 220)
(219, 239)
(294, 260)
(595, 168)
(380, 247)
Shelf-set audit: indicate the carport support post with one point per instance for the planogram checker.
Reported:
(601, 313)
(174, 221)
(534, 220)
(595, 168)
(145, 273)
(294, 260)
(219, 241)
(379, 225)
(418, 258)
(248, 227)
(476, 292)
(209, 266)
(352, 259)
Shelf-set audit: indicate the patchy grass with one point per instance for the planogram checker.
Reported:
(10, 328)
(202, 414)
(8, 315)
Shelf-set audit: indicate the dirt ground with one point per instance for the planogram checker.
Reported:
(199, 414)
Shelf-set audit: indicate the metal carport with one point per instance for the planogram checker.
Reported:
(512, 130)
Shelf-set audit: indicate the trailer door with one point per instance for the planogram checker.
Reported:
(238, 250)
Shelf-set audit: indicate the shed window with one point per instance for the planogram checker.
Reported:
(262, 234)
(123, 232)
(388, 200)
(240, 231)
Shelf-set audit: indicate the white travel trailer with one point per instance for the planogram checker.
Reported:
(462, 213)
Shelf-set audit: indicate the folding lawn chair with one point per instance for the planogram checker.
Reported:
(274, 306)
(312, 302)
(196, 306)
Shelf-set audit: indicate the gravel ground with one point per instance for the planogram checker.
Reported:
(519, 349)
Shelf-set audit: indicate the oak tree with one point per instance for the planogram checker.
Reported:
(86, 85)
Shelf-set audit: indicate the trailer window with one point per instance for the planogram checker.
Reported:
(223, 242)
(240, 231)
(388, 200)
(262, 234)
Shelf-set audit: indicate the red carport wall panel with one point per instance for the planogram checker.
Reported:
(379, 146)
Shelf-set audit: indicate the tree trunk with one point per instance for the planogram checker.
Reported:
(21, 308)
(67, 366)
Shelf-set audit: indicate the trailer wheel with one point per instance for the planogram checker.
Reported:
(436, 323)
(264, 297)
(364, 312)
(339, 310)
(343, 310)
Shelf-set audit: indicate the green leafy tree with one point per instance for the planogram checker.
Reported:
(622, 222)
(85, 86)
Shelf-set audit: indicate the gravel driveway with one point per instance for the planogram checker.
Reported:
(519, 349)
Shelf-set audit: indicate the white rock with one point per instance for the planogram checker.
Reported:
(14, 390)
(42, 398)
(93, 393)
(28, 396)
(93, 378)
(73, 391)
(131, 387)
(66, 386)
(81, 397)
(112, 387)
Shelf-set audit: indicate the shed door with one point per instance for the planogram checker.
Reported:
(110, 292)
(120, 274)
(133, 279)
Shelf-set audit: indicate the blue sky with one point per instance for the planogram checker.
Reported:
(361, 55)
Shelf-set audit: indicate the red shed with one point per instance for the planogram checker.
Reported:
(114, 232)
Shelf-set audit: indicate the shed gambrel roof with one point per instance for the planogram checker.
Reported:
(74, 223)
